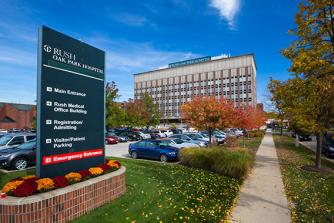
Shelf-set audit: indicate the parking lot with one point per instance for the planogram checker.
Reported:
(118, 150)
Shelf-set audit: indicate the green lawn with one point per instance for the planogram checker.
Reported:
(168, 193)
(311, 194)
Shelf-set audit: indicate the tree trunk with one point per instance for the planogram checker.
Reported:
(210, 136)
(281, 130)
(318, 152)
(296, 141)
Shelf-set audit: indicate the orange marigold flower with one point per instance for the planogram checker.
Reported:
(96, 171)
(73, 177)
(113, 163)
(45, 184)
(10, 186)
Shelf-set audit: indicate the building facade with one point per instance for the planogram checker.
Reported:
(14, 115)
(170, 87)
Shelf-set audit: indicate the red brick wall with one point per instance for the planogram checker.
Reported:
(22, 118)
(63, 205)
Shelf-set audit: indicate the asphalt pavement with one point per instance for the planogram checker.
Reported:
(118, 150)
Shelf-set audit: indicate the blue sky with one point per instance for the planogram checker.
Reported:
(142, 35)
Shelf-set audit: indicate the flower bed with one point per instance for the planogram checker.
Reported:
(29, 185)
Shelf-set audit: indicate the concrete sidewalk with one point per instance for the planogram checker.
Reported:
(262, 197)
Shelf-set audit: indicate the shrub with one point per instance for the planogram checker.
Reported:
(85, 174)
(11, 185)
(256, 133)
(233, 163)
(231, 141)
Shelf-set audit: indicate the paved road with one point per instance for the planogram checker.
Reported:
(262, 197)
(118, 150)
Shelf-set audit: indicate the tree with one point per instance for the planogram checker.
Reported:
(152, 109)
(307, 98)
(308, 104)
(136, 113)
(208, 113)
(312, 53)
(115, 115)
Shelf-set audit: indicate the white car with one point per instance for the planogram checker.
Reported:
(179, 143)
(160, 133)
(167, 132)
(3, 131)
(144, 135)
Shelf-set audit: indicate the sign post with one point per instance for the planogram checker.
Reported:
(70, 104)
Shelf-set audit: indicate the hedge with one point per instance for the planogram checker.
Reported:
(233, 163)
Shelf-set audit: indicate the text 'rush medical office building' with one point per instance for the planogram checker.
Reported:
(231, 77)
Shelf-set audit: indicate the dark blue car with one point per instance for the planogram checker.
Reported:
(153, 149)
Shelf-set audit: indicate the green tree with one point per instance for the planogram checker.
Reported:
(307, 99)
(308, 104)
(312, 53)
(115, 114)
(152, 109)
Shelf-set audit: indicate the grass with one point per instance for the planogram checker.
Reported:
(311, 194)
(5, 177)
(168, 193)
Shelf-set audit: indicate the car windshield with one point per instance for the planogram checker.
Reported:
(5, 139)
(27, 145)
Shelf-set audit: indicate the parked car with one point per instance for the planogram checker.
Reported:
(111, 138)
(122, 138)
(167, 132)
(153, 149)
(218, 136)
(3, 131)
(14, 130)
(328, 145)
(144, 135)
(186, 138)
(304, 137)
(179, 143)
(19, 157)
(196, 136)
(177, 131)
(14, 139)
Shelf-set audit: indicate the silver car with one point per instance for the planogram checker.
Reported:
(12, 140)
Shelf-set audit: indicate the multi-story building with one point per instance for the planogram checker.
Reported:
(231, 77)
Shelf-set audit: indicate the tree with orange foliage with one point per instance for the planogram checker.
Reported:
(208, 113)
(248, 118)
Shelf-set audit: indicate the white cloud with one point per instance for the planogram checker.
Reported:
(227, 9)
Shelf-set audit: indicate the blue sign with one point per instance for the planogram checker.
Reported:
(188, 62)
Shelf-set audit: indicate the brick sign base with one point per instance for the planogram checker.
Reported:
(65, 204)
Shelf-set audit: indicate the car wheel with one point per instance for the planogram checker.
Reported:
(134, 155)
(106, 142)
(163, 158)
(20, 164)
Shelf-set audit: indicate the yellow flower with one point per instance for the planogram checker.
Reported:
(45, 184)
(113, 163)
(96, 171)
(73, 177)
(10, 186)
